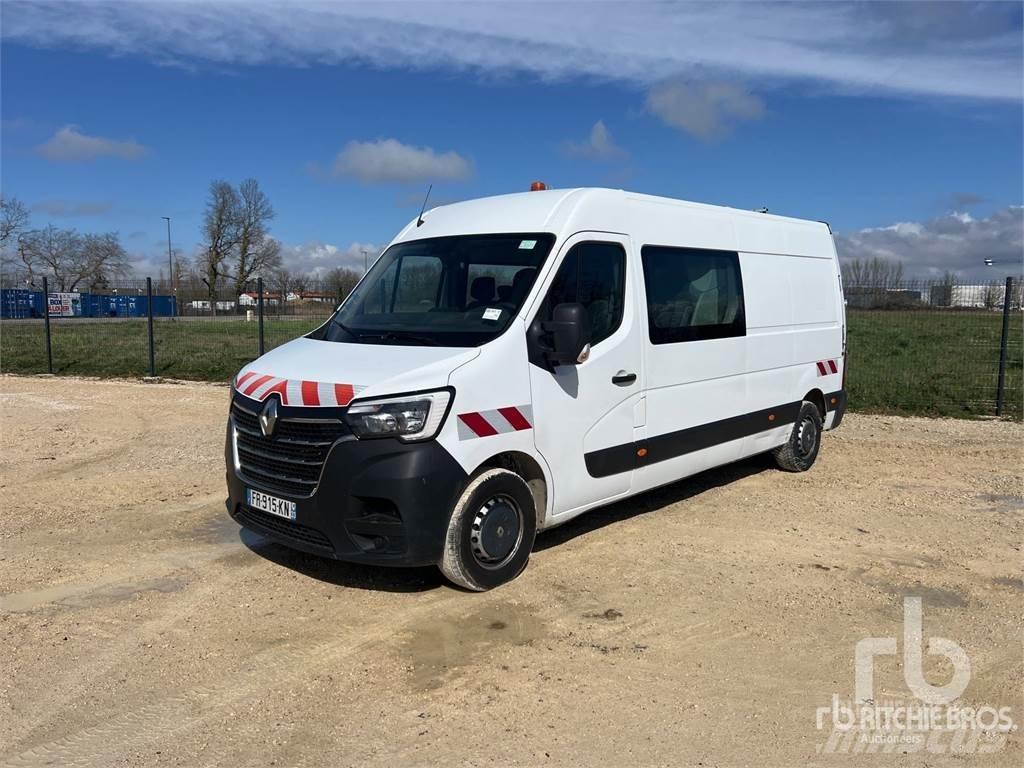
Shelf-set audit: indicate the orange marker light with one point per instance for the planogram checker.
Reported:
(538, 186)
(771, 417)
(641, 452)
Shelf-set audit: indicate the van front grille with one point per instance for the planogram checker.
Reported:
(288, 462)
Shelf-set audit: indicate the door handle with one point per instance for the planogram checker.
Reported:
(623, 379)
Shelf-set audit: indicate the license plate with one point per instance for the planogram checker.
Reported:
(272, 504)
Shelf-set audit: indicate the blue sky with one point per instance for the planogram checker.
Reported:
(902, 127)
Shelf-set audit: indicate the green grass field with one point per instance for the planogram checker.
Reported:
(203, 349)
(936, 363)
(939, 363)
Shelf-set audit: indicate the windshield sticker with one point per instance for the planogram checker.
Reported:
(527, 245)
(492, 313)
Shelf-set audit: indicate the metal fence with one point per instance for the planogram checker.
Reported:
(935, 348)
(938, 348)
(168, 332)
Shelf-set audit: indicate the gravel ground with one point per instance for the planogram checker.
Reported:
(701, 624)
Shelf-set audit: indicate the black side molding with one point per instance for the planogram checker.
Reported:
(630, 456)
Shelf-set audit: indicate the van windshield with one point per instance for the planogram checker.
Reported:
(459, 291)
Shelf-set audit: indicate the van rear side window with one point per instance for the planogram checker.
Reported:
(692, 294)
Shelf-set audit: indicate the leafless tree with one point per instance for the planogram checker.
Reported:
(14, 218)
(103, 258)
(236, 239)
(282, 281)
(942, 294)
(875, 272)
(258, 254)
(71, 258)
(341, 280)
(992, 296)
(300, 284)
(262, 261)
(182, 267)
(220, 235)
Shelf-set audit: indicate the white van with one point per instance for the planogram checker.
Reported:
(511, 362)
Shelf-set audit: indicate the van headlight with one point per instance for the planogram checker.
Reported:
(408, 417)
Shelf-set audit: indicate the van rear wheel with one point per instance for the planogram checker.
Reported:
(801, 449)
(491, 531)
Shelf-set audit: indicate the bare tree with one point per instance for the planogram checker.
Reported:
(257, 253)
(236, 236)
(71, 258)
(300, 284)
(874, 273)
(53, 252)
(262, 261)
(220, 235)
(282, 282)
(14, 218)
(992, 296)
(103, 258)
(942, 294)
(341, 280)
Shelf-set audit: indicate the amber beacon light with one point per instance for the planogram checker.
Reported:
(538, 186)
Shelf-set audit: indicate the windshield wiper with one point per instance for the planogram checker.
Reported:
(425, 341)
(346, 329)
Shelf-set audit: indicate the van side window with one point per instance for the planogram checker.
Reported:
(692, 294)
(594, 275)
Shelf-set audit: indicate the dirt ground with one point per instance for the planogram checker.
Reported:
(702, 624)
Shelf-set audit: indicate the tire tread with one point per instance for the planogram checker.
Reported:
(452, 564)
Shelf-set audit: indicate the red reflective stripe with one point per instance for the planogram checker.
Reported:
(821, 369)
(257, 384)
(832, 366)
(478, 424)
(514, 417)
(343, 393)
(281, 388)
(244, 378)
(310, 393)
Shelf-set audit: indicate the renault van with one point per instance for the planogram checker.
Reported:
(511, 362)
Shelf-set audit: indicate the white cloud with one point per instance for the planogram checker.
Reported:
(955, 242)
(389, 160)
(316, 259)
(598, 146)
(70, 145)
(64, 208)
(706, 110)
(945, 49)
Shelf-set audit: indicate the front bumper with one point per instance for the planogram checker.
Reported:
(378, 501)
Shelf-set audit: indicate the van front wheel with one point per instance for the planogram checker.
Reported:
(491, 531)
(801, 449)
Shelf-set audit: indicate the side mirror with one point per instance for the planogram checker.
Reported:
(570, 334)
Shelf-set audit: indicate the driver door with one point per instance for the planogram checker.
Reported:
(586, 415)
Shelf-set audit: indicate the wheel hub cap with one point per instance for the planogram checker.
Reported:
(807, 437)
(497, 530)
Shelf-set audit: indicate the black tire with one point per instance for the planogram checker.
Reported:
(491, 531)
(801, 449)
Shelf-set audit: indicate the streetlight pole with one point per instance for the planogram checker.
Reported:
(366, 267)
(170, 259)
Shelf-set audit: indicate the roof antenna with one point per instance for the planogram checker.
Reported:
(419, 221)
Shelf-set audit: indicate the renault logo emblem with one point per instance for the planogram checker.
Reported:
(268, 418)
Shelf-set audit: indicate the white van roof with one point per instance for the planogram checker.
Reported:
(648, 218)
